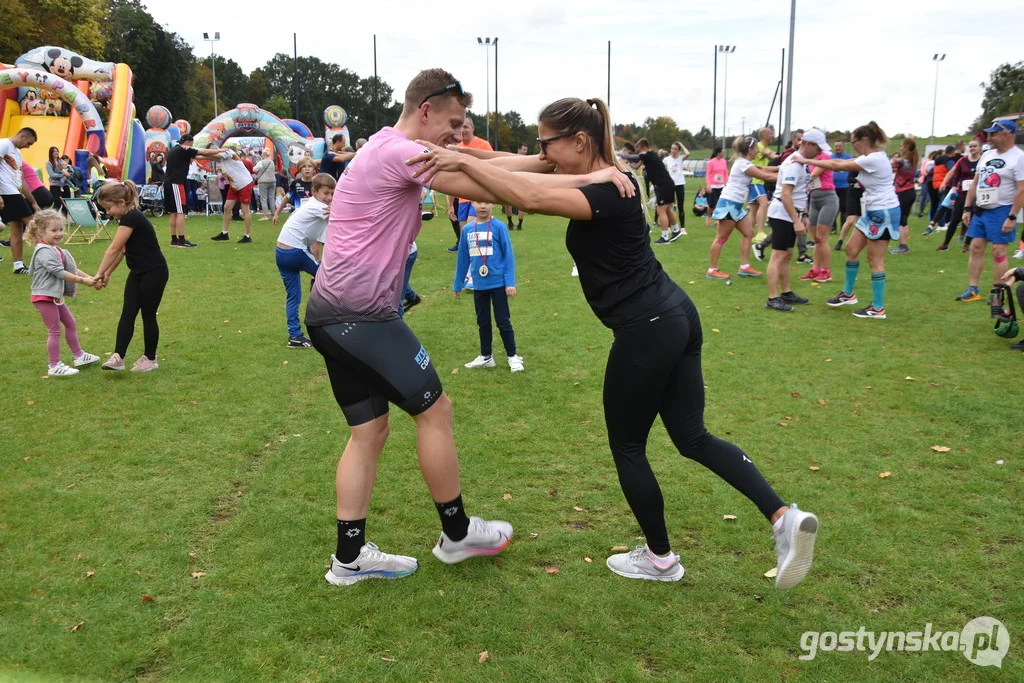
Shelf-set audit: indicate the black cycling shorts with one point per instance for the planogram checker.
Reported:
(853, 195)
(372, 364)
(783, 234)
(665, 194)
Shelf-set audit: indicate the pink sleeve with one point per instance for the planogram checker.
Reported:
(395, 164)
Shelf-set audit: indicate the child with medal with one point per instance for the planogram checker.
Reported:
(485, 251)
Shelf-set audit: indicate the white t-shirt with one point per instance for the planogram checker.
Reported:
(997, 177)
(306, 225)
(10, 178)
(876, 177)
(792, 173)
(739, 182)
(675, 169)
(238, 175)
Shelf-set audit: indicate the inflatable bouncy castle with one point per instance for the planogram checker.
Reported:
(55, 92)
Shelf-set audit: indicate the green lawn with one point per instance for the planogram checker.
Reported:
(220, 465)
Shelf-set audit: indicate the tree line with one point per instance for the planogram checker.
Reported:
(168, 72)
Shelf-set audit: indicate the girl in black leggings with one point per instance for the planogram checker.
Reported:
(654, 367)
(136, 241)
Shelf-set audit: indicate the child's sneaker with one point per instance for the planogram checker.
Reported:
(299, 342)
(481, 362)
(810, 275)
(371, 564)
(484, 538)
(115, 362)
(641, 563)
(85, 359)
(515, 363)
(61, 370)
(144, 364)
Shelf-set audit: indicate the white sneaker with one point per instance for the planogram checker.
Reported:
(942, 228)
(61, 370)
(371, 564)
(85, 359)
(484, 538)
(515, 363)
(481, 362)
(1019, 254)
(794, 546)
(639, 564)
(575, 271)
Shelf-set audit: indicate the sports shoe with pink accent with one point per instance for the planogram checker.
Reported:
(144, 364)
(115, 362)
(824, 275)
(642, 564)
(812, 274)
(484, 538)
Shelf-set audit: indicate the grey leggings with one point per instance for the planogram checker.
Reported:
(823, 207)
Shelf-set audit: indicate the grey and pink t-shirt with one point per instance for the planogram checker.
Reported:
(375, 217)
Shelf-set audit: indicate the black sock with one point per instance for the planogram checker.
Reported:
(520, 223)
(454, 521)
(351, 539)
(510, 221)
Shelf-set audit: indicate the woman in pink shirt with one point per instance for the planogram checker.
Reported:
(42, 195)
(822, 209)
(717, 175)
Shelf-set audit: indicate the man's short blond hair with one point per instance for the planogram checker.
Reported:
(428, 82)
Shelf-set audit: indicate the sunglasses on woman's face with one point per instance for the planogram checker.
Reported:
(544, 142)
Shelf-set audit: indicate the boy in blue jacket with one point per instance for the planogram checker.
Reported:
(486, 252)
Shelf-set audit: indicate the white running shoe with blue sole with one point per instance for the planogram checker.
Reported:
(372, 563)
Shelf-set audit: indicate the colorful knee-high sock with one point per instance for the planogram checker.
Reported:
(878, 290)
(851, 276)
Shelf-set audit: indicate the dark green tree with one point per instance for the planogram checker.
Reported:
(1004, 94)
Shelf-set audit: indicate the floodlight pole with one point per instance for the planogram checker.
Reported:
(938, 59)
(714, 103)
(213, 65)
(789, 71)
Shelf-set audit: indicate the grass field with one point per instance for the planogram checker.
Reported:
(176, 525)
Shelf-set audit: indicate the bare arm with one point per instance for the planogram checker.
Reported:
(763, 172)
(834, 164)
(787, 203)
(522, 163)
(11, 162)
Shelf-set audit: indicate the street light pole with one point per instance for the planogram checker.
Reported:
(937, 58)
(789, 71)
(486, 42)
(714, 103)
(726, 50)
(213, 64)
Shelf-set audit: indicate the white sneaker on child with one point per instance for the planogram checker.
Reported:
(481, 362)
(61, 370)
(85, 359)
(515, 363)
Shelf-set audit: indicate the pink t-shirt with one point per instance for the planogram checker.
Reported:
(826, 181)
(31, 177)
(717, 172)
(375, 217)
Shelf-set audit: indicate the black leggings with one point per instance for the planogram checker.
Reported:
(906, 199)
(654, 368)
(681, 200)
(934, 197)
(456, 228)
(958, 215)
(713, 196)
(142, 292)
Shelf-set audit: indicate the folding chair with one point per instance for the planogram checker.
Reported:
(89, 227)
(214, 196)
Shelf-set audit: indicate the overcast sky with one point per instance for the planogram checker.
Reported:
(854, 61)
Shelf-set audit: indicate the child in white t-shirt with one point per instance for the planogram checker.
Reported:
(299, 247)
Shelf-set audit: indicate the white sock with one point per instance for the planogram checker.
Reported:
(711, 270)
(744, 266)
(675, 228)
(19, 264)
(664, 234)
(223, 232)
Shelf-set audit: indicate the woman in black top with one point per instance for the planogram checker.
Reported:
(654, 367)
(135, 241)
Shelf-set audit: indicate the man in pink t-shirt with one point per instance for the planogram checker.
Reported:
(354, 320)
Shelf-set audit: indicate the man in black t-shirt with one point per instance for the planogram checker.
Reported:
(175, 177)
(664, 189)
(336, 157)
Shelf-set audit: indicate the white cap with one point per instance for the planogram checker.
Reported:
(817, 137)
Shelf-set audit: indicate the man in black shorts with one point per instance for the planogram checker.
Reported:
(853, 196)
(175, 190)
(664, 189)
(354, 319)
(14, 207)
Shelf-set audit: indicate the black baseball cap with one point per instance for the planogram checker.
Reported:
(185, 138)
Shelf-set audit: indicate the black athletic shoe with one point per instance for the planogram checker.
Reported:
(220, 237)
(174, 242)
(805, 259)
(245, 239)
(792, 298)
(675, 235)
(777, 304)
(185, 244)
(21, 271)
(5, 243)
(409, 303)
(839, 246)
(662, 240)
(299, 342)
(1019, 346)
(453, 248)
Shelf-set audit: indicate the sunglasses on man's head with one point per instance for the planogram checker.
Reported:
(455, 87)
(544, 142)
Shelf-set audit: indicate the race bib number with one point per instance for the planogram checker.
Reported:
(986, 196)
(966, 185)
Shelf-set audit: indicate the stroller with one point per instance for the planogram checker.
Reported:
(152, 199)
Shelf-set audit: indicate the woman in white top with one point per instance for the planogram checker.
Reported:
(880, 222)
(674, 164)
(730, 211)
